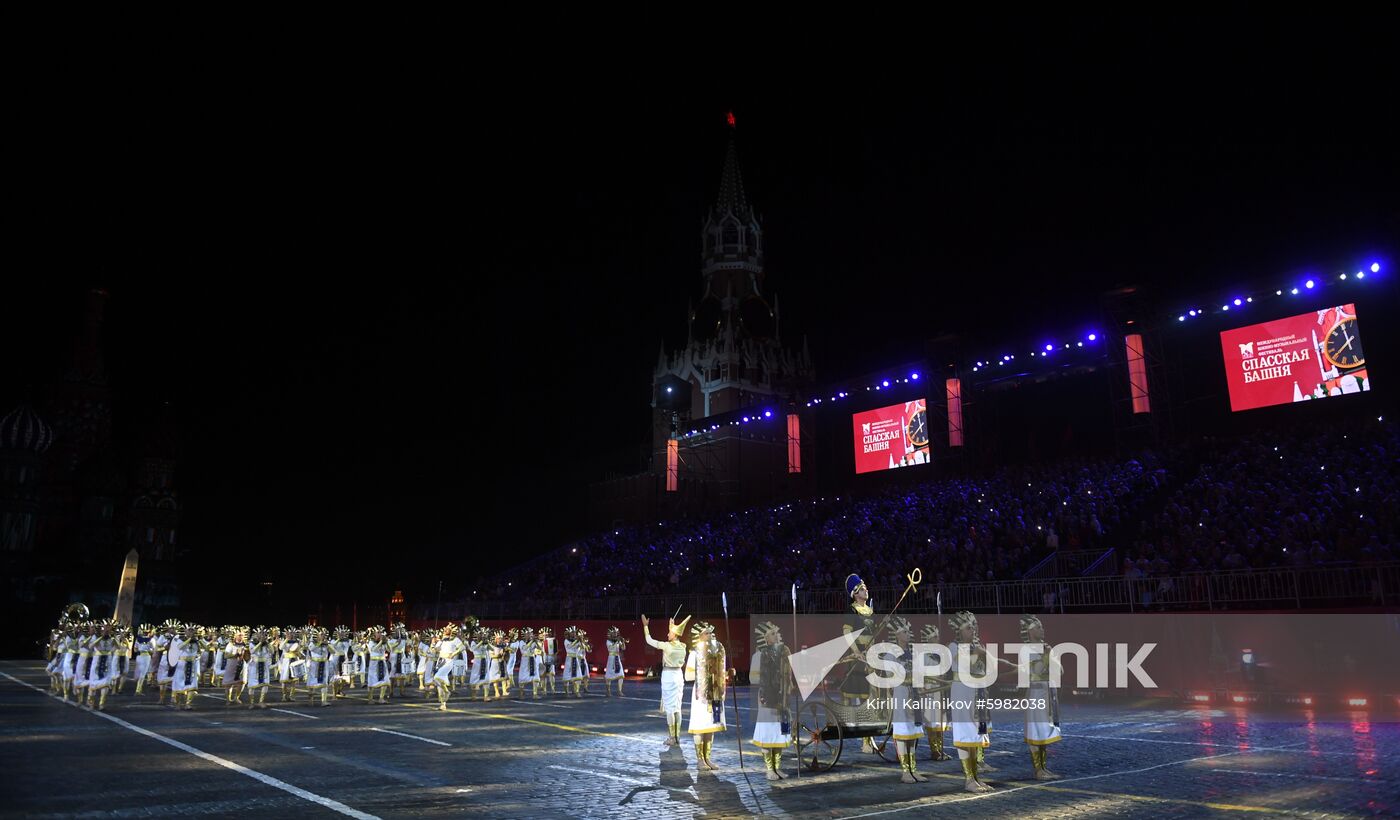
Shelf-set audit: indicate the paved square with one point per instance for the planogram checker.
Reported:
(599, 757)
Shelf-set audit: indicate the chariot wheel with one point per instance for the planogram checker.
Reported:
(817, 733)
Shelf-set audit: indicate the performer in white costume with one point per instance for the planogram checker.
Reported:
(770, 676)
(673, 654)
(705, 668)
(1042, 712)
(614, 670)
(907, 718)
(971, 729)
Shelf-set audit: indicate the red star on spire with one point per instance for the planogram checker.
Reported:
(730, 118)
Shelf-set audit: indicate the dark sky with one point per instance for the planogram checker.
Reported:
(353, 287)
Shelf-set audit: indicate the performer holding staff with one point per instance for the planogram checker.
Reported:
(907, 717)
(970, 724)
(673, 655)
(771, 677)
(1042, 712)
(705, 667)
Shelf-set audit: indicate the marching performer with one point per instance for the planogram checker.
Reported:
(1042, 712)
(83, 669)
(341, 675)
(705, 667)
(576, 671)
(935, 703)
(257, 674)
(234, 655)
(68, 667)
(496, 664)
(529, 662)
(450, 648)
(377, 674)
(185, 682)
(359, 649)
(290, 666)
(209, 646)
(549, 658)
(320, 668)
(141, 664)
(216, 675)
(478, 668)
(104, 673)
(400, 659)
(855, 690)
(461, 668)
(58, 637)
(426, 653)
(906, 721)
(771, 677)
(165, 657)
(673, 654)
(614, 671)
(514, 644)
(970, 726)
(123, 655)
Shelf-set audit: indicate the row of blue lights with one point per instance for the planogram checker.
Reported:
(1050, 347)
(1308, 284)
(883, 384)
(766, 415)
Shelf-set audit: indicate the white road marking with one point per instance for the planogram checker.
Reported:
(631, 781)
(405, 734)
(333, 805)
(298, 714)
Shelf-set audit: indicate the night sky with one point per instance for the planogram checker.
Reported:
(399, 323)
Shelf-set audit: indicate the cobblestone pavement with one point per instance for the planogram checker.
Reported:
(598, 757)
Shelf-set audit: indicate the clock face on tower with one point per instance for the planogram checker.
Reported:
(918, 428)
(1342, 345)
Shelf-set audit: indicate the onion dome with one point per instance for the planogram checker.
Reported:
(22, 429)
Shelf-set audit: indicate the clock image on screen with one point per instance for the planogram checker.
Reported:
(918, 428)
(1342, 345)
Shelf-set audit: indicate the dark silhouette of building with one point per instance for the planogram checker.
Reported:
(734, 360)
(74, 498)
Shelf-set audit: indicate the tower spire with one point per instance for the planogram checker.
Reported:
(731, 197)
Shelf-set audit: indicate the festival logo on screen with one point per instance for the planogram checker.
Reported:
(1299, 358)
(890, 437)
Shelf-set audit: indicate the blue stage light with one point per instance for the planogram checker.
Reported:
(1294, 291)
(1181, 318)
(1239, 302)
(1308, 284)
(768, 414)
(1375, 267)
(914, 376)
(1093, 337)
(884, 384)
(1192, 312)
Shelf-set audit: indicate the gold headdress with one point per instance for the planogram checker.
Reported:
(677, 628)
(614, 633)
(930, 634)
(1029, 622)
(959, 620)
(900, 624)
(767, 634)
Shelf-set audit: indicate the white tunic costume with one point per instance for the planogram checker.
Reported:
(706, 708)
(968, 731)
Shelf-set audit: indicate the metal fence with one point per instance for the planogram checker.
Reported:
(1311, 587)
